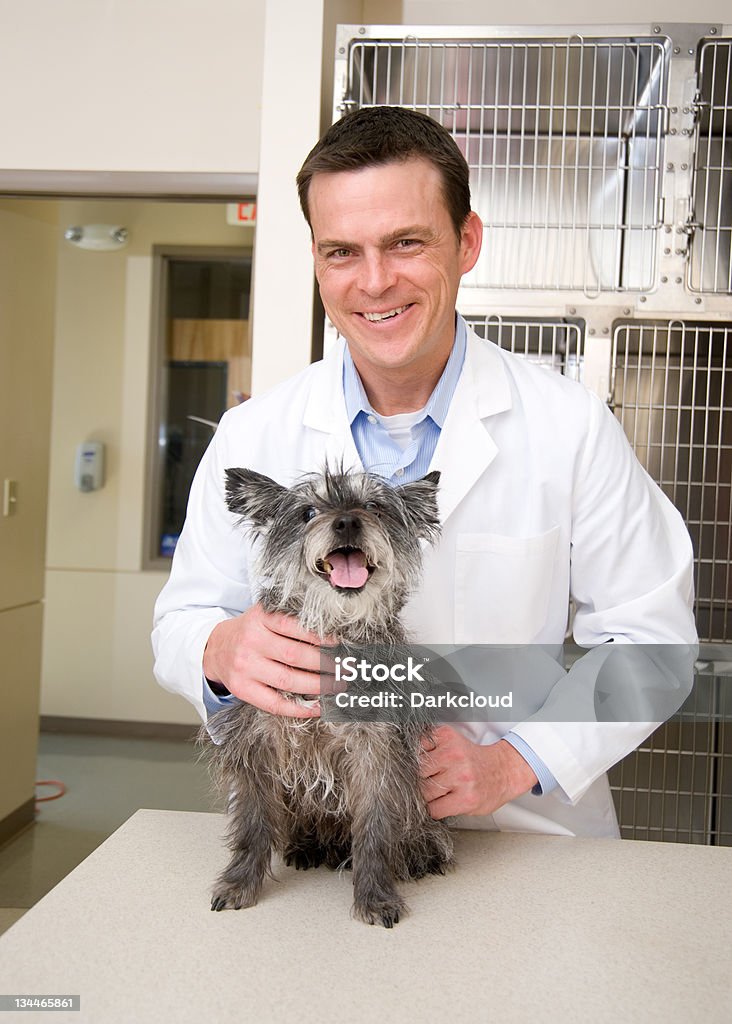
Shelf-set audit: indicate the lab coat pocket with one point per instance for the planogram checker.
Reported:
(503, 586)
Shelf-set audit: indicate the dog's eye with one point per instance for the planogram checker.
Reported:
(309, 513)
(371, 506)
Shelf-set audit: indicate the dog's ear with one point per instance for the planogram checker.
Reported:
(253, 496)
(420, 500)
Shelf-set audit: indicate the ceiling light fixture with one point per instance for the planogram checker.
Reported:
(99, 237)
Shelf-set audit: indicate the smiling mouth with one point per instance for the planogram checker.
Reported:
(388, 315)
(346, 568)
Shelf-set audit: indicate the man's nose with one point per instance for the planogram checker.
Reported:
(377, 274)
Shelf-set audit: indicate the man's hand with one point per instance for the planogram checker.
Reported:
(259, 654)
(461, 777)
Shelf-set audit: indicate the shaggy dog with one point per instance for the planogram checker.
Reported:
(341, 553)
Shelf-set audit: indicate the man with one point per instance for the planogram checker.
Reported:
(541, 497)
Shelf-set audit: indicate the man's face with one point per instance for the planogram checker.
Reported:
(389, 263)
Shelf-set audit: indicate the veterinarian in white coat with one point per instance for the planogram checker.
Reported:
(541, 500)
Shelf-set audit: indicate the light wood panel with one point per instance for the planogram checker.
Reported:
(215, 341)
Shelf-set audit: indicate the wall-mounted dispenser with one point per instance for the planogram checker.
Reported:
(89, 466)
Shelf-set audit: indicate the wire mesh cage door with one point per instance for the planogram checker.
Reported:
(673, 397)
(564, 139)
(677, 787)
(554, 344)
(710, 266)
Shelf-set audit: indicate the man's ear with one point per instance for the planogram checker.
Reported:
(471, 241)
(253, 496)
(420, 500)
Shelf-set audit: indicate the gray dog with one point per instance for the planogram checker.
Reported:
(340, 552)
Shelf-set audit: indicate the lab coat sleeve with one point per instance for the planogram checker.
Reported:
(208, 581)
(632, 583)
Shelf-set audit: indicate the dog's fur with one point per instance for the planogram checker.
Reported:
(316, 791)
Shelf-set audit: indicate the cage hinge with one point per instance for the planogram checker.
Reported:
(697, 105)
(685, 231)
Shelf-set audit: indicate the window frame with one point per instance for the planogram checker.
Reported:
(152, 561)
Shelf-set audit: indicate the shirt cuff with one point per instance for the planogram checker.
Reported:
(546, 782)
(212, 702)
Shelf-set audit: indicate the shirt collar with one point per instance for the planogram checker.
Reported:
(439, 400)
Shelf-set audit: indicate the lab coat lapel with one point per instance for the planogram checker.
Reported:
(465, 448)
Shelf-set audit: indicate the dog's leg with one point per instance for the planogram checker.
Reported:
(427, 847)
(375, 897)
(252, 832)
(373, 767)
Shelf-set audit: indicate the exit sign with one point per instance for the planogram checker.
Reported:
(241, 213)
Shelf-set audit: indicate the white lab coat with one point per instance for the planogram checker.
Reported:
(540, 497)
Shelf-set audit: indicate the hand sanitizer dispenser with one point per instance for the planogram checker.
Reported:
(89, 466)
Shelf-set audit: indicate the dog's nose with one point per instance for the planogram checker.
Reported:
(347, 528)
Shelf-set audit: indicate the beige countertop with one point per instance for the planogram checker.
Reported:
(527, 928)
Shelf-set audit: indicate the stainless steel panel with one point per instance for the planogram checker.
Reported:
(566, 213)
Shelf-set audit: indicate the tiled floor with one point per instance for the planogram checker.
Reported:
(107, 779)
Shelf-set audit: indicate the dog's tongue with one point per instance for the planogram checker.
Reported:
(349, 569)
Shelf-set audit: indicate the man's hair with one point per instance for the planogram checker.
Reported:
(382, 135)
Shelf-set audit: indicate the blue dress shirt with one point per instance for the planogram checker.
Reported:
(378, 452)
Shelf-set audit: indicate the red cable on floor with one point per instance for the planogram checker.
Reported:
(53, 796)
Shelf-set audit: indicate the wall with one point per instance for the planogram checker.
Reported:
(168, 85)
(27, 281)
(280, 349)
(561, 12)
(96, 654)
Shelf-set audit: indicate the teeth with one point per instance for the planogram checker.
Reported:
(384, 316)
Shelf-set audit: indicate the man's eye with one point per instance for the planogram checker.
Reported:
(309, 513)
(407, 243)
(339, 254)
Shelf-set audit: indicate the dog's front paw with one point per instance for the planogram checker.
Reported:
(235, 897)
(380, 911)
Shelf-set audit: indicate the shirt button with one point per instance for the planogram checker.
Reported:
(399, 472)
(372, 419)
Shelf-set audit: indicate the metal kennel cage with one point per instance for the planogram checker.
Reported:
(601, 166)
(564, 141)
